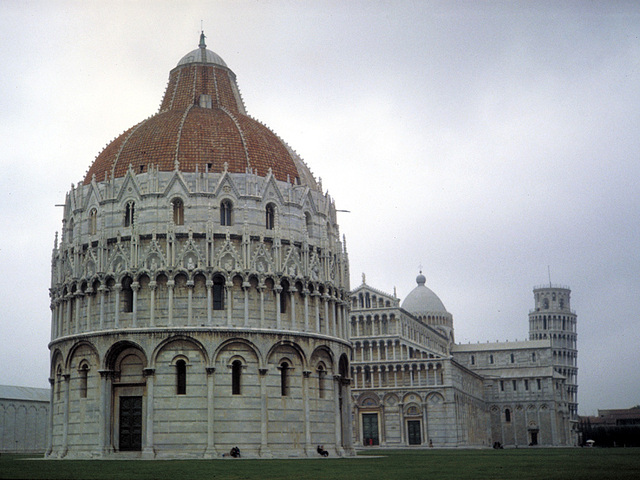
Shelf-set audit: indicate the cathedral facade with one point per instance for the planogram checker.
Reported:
(412, 385)
(199, 290)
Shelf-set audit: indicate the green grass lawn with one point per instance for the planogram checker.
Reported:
(433, 464)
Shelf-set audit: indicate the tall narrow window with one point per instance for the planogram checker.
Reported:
(93, 221)
(515, 385)
(129, 214)
(58, 382)
(321, 387)
(181, 377)
(84, 373)
(284, 379)
(473, 360)
(513, 359)
(526, 384)
(533, 356)
(127, 295)
(502, 385)
(507, 415)
(218, 293)
(270, 217)
(308, 222)
(178, 212)
(490, 358)
(225, 213)
(539, 384)
(284, 294)
(236, 375)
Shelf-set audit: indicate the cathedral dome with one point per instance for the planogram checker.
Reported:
(202, 126)
(422, 299)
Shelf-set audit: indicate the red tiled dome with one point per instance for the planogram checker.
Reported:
(202, 122)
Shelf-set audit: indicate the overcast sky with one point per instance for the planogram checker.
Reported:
(488, 142)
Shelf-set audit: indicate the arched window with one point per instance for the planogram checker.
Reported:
(533, 356)
(490, 358)
(236, 376)
(93, 221)
(513, 359)
(507, 415)
(284, 379)
(127, 295)
(178, 211)
(181, 377)
(129, 214)
(270, 220)
(226, 209)
(218, 293)
(546, 303)
(84, 374)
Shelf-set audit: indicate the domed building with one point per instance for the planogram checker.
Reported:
(413, 386)
(428, 308)
(200, 290)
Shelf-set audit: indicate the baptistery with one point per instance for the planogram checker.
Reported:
(199, 290)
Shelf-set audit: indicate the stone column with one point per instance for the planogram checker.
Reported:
(334, 317)
(148, 452)
(190, 285)
(65, 416)
(88, 310)
(210, 452)
(403, 440)
(101, 289)
(305, 293)
(104, 433)
(67, 313)
(337, 411)
(307, 416)
(209, 302)
(278, 290)
(245, 290)
(76, 299)
(261, 288)
(228, 290)
(292, 295)
(152, 303)
(135, 286)
(316, 301)
(116, 307)
(325, 297)
(265, 452)
(50, 418)
(170, 285)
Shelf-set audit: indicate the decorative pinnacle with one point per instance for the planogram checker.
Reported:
(202, 37)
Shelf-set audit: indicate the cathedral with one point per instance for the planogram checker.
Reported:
(412, 385)
(201, 302)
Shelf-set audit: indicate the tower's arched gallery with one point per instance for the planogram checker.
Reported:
(200, 301)
(200, 289)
